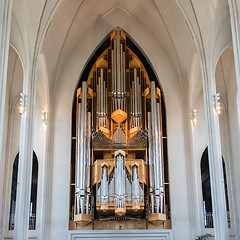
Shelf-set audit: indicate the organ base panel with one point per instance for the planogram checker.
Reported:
(119, 160)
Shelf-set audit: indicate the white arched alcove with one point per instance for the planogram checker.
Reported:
(67, 76)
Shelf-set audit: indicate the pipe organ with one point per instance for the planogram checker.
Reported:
(119, 172)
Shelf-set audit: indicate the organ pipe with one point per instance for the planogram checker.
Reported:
(160, 158)
(135, 100)
(102, 101)
(118, 74)
(151, 164)
(88, 161)
(135, 186)
(81, 151)
(104, 186)
(157, 156)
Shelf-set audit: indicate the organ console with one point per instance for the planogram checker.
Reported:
(119, 172)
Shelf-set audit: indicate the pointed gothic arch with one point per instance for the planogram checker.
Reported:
(98, 67)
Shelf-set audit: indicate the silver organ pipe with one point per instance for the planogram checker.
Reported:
(104, 186)
(124, 79)
(118, 71)
(118, 74)
(78, 164)
(102, 101)
(160, 158)
(120, 182)
(128, 188)
(111, 189)
(135, 101)
(81, 152)
(151, 165)
(135, 186)
(88, 161)
(157, 156)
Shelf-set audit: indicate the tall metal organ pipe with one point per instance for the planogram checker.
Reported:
(81, 152)
(135, 100)
(102, 101)
(160, 158)
(118, 74)
(88, 162)
(151, 164)
(78, 163)
(157, 156)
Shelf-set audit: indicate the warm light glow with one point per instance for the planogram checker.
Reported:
(44, 118)
(194, 117)
(218, 107)
(21, 107)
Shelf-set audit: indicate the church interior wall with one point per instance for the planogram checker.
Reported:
(60, 65)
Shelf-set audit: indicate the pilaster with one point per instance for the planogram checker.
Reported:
(25, 159)
(234, 8)
(5, 25)
(214, 155)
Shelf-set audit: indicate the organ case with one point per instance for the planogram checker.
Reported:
(119, 157)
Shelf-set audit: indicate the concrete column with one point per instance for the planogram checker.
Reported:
(5, 25)
(215, 155)
(25, 158)
(234, 8)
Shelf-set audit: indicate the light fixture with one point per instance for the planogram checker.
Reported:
(44, 118)
(194, 117)
(22, 103)
(217, 104)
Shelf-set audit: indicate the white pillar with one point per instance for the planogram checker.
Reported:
(25, 158)
(234, 8)
(5, 25)
(215, 156)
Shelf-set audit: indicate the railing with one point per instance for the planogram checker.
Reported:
(208, 220)
(32, 222)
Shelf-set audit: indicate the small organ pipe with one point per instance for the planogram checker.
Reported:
(138, 102)
(104, 186)
(124, 79)
(106, 107)
(121, 68)
(101, 87)
(135, 186)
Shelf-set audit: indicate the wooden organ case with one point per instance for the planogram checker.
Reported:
(119, 170)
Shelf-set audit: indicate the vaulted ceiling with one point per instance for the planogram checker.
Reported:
(177, 27)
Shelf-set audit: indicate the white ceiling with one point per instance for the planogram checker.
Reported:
(54, 28)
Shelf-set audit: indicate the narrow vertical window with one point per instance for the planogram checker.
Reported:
(33, 202)
(206, 191)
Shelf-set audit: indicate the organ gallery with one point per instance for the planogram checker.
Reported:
(119, 177)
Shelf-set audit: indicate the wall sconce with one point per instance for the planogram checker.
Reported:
(217, 104)
(22, 103)
(44, 118)
(194, 117)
